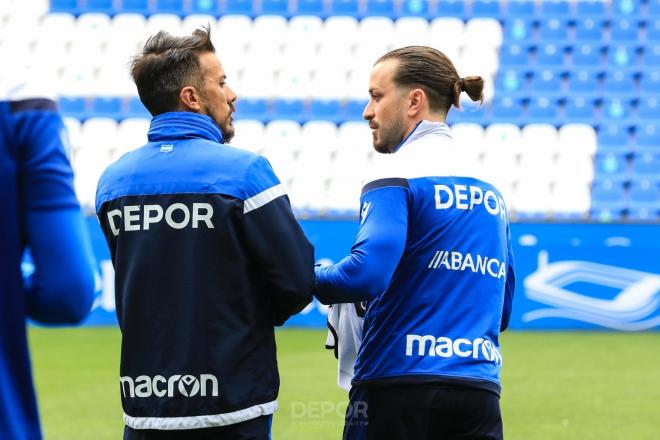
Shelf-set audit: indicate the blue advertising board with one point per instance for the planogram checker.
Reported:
(568, 276)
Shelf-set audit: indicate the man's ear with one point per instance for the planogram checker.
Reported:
(190, 99)
(417, 100)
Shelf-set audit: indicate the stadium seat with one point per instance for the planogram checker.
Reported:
(134, 7)
(379, 8)
(507, 109)
(554, 8)
(511, 82)
(353, 110)
(210, 7)
(586, 55)
(74, 107)
(550, 55)
(589, 29)
(546, 81)
(624, 30)
(541, 139)
(518, 30)
(416, 8)
(646, 165)
(483, 32)
(61, 24)
(238, 7)
(291, 109)
(644, 200)
(612, 166)
(310, 8)
(504, 138)
(486, 8)
(348, 8)
(653, 8)
(252, 108)
(106, 107)
(131, 134)
(578, 140)
(168, 22)
(613, 138)
(340, 33)
(553, 29)
(520, 8)
(579, 109)
(647, 137)
(514, 54)
(93, 27)
(99, 6)
(168, 7)
(542, 109)
(570, 200)
(648, 108)
(616, 109)
(324, 110)
(275, 7)
(591, 8)
(622, 56)
(409, 31)
(531, 200)
(608, 196)
(249, 135)
(468, 136)
(135, 109)
(653, 29)
(620, 82)
(626, 7)
(651, 56)
(583, 82)
(451, 8)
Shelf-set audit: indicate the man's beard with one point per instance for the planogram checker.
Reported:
(227, 128)
(390, 137)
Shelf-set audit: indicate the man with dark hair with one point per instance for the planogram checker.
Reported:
(432, 258)
(207, 253)
(40, 213)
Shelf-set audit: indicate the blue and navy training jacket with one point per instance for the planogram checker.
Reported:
(433, 258)
(208, 258)
(40, 213)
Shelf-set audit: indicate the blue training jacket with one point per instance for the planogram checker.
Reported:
(208, 258)
(433, 258)
(40, 213)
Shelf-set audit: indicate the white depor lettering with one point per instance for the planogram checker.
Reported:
(467, 198)
(453, 260)
(177, 216)
(445, 347)
(186, 385)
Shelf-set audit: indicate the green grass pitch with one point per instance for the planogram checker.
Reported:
(556, 385)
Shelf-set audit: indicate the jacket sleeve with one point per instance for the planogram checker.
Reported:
(61, 289)
(280, 250)
(367, 271)
(510, 286)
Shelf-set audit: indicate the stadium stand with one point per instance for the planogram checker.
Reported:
(568, 128)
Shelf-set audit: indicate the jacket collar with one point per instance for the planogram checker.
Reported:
(183, 125)
(426, 128)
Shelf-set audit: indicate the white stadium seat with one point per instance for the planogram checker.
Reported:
(249, 135)
(93, 26)
(578, 139)
(485, 32)
(410, 31)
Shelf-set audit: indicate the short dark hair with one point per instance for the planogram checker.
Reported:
(166, 65)
(433, 72)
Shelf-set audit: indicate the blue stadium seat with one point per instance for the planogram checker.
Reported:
(451, 8)
(653, 8)
(325, 110)
(622, 8)
(134, 7)
(518, 30)
(416, 8)
(647, 137)
(70, 6)
(107, 107)
(275, 7)
(653, 30)
(613, 138)
(477, 114)
(252, 108)
(555, 8)
(550, 55)
(624, 30)
(646, 165)
(73, 107)
(587, 54)
(620, 82)
(293, 109)
(546, 81)
(591, 8)
(353, 110)
(210, 7)
(507, 109)
(589, 29)
(100, 6)
(553, 29)
(583, 82)
(579, 110)
(608, 197)
(520, 8)
(168, 7)
(644, 200)
(486, 8)
(379, 8)
(616, 109)
(622, 56)
(542, 109)
(651, 57)
(649, 108)
(650, 81)
(310, 7)
(350, 8)
(238, 7)
(611, 165)
(135, 109)
(515, 54)
(510, 82)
